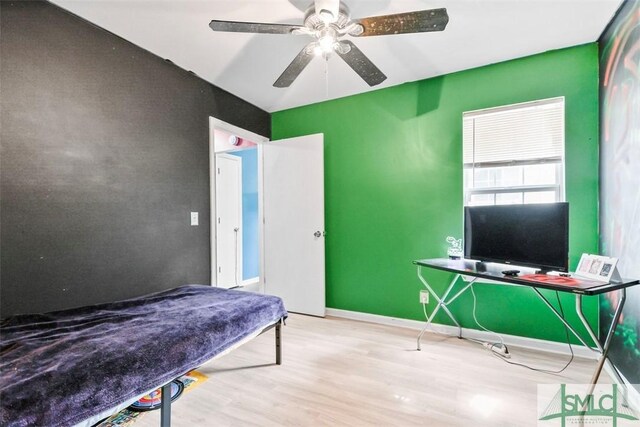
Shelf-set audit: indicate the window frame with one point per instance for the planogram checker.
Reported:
(558, 188)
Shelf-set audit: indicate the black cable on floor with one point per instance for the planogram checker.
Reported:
(566, 329)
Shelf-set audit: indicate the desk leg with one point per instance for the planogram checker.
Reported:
(441, 304)
(586, 325)
(592, 334)
(607, 341)
(165, 408)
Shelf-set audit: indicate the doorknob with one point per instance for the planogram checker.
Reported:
(317, 234)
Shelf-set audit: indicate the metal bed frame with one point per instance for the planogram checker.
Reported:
(165, 405)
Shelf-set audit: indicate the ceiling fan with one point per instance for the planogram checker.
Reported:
(328, 21)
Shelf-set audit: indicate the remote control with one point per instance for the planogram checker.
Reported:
(511, 272)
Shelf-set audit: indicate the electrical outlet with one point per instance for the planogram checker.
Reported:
(424, 297)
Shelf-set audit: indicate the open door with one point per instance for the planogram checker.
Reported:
(293, 198)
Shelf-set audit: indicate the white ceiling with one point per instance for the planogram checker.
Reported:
(480, 32)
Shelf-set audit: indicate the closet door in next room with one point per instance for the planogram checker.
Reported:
(229, 220)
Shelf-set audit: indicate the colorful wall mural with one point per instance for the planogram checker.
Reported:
(620, 179)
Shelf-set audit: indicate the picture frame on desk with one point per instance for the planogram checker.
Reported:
(596, 267)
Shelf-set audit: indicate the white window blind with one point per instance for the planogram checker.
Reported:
(528, 132)
(514, 153)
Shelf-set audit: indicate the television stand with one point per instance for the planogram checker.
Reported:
(578, 287)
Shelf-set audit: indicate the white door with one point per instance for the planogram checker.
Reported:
(229, 220)
(293, 182)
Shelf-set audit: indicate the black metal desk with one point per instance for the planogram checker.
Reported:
(493, 272)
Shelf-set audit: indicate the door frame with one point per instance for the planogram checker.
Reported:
(259, 140)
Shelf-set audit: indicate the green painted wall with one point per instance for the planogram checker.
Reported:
(393, 184)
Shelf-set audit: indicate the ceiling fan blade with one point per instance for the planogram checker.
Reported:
(403, 23)
(295, 68)
(327, 10)
(361, 64)
(253, 27)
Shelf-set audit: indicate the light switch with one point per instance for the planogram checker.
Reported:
(194, 218)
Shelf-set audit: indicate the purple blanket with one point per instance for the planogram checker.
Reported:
(61, 368)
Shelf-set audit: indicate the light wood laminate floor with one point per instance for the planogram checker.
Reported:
(339, 372)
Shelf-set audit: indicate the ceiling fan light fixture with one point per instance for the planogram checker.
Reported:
(342, 48)
(322, 51)
(326, 43)
(354, 29)
(327, 16)
(327, 39)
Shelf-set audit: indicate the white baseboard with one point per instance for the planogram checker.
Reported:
(512, 340)
(251, 281)
(251, 285)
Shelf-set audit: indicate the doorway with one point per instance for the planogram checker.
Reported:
(236, 234)
(283, 211)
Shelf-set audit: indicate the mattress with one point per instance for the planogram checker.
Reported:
(64, 368)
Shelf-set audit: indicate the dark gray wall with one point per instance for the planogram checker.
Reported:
(104, 152)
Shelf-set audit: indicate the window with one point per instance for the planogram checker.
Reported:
(514, 154)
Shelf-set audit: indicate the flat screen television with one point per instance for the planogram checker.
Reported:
(533, 235)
